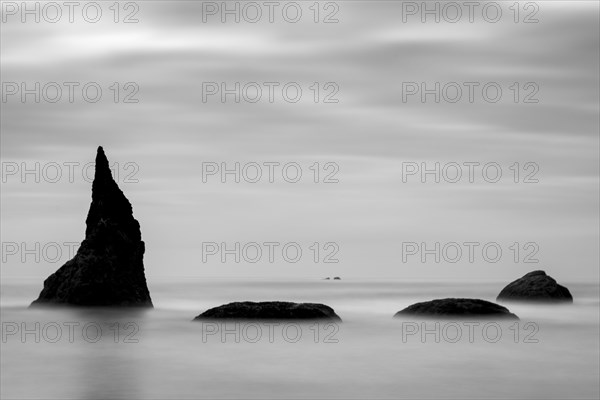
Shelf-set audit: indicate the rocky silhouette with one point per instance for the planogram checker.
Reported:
(108, 268)
(535, 286)
(467, 308)
(270, 310)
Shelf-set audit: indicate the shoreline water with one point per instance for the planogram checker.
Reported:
(369, 355)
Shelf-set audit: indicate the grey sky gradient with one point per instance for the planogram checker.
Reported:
(369, 134)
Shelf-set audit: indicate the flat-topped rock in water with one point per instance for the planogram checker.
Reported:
(270, 310)
(535, 286)
(108, 269)
(452, 308)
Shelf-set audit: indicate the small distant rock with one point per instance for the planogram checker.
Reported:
(270, 310)
(328, 278)
(535, 286)
(337, 278)
(452, 307)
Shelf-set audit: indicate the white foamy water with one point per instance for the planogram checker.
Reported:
(552, 352)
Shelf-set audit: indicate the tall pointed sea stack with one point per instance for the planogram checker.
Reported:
(108, 269)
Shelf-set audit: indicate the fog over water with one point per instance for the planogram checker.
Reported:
(369, 355)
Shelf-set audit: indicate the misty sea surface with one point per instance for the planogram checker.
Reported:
(551, 352)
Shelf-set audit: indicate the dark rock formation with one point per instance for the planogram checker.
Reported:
(108, 268)
(452, 308)
(336, 278)
(270, 310)
(535, 286)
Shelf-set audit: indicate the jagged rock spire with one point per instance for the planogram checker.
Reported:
(108, 268)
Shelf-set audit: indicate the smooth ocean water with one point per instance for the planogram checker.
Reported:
(168, 357)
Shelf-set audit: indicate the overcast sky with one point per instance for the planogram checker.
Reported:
(369, 133)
